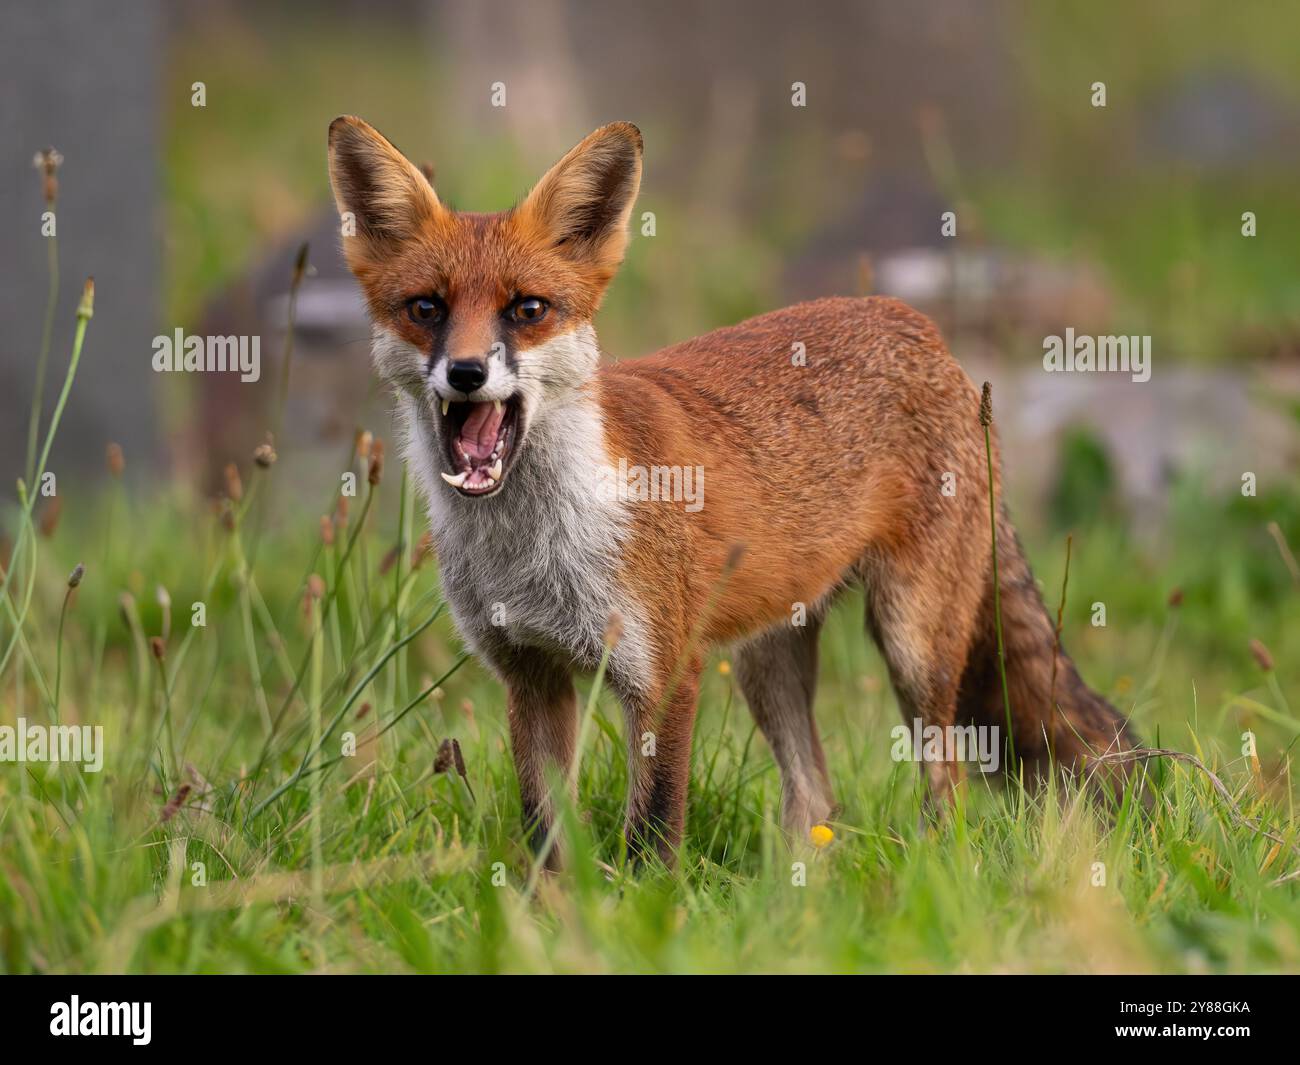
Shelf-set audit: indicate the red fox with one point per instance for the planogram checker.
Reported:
(823, 469)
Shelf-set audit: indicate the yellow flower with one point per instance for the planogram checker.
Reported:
(724, 667)
(821, 835)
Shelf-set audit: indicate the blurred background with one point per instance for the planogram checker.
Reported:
(193, 173)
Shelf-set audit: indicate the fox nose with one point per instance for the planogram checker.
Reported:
(466, 375)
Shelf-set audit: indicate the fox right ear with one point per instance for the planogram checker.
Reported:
(375, 184)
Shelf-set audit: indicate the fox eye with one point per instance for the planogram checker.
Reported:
(424, 311)
(528, 309)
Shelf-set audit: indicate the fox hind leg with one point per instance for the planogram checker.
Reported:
(923, 619)
(777, 672)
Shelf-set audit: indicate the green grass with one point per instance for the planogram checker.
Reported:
(93, 881)
(377, 863)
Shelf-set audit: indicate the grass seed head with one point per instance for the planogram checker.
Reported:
(174, 803)
(421, 550)
(234, 484)
(1261, 656)
(734, 556)
(613, 630)
(48, 163)
(986, 405)
(74, 578)
(86, 308)
(116, 460)
(300, 265)
(312, 593)
(264, 454)
(50, 515)
(376, 472)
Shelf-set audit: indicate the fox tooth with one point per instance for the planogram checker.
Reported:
(445, 404)
(456, 481)
(498, 405)
(495, 471)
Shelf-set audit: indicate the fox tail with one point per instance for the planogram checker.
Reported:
(1055, 717)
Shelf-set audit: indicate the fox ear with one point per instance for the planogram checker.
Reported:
(386, 196)
(582, 203)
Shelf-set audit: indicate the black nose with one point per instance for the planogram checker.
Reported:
(465, 375)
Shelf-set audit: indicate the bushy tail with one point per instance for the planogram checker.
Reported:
(1081, 725)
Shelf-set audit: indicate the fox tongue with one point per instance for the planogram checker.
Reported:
(478, 436)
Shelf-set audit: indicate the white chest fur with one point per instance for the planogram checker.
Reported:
(536, 564)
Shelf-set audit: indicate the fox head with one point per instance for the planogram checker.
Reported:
(484, 321)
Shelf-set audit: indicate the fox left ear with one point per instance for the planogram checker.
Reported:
(582, 203)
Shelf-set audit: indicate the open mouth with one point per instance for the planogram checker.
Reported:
(479, 439)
